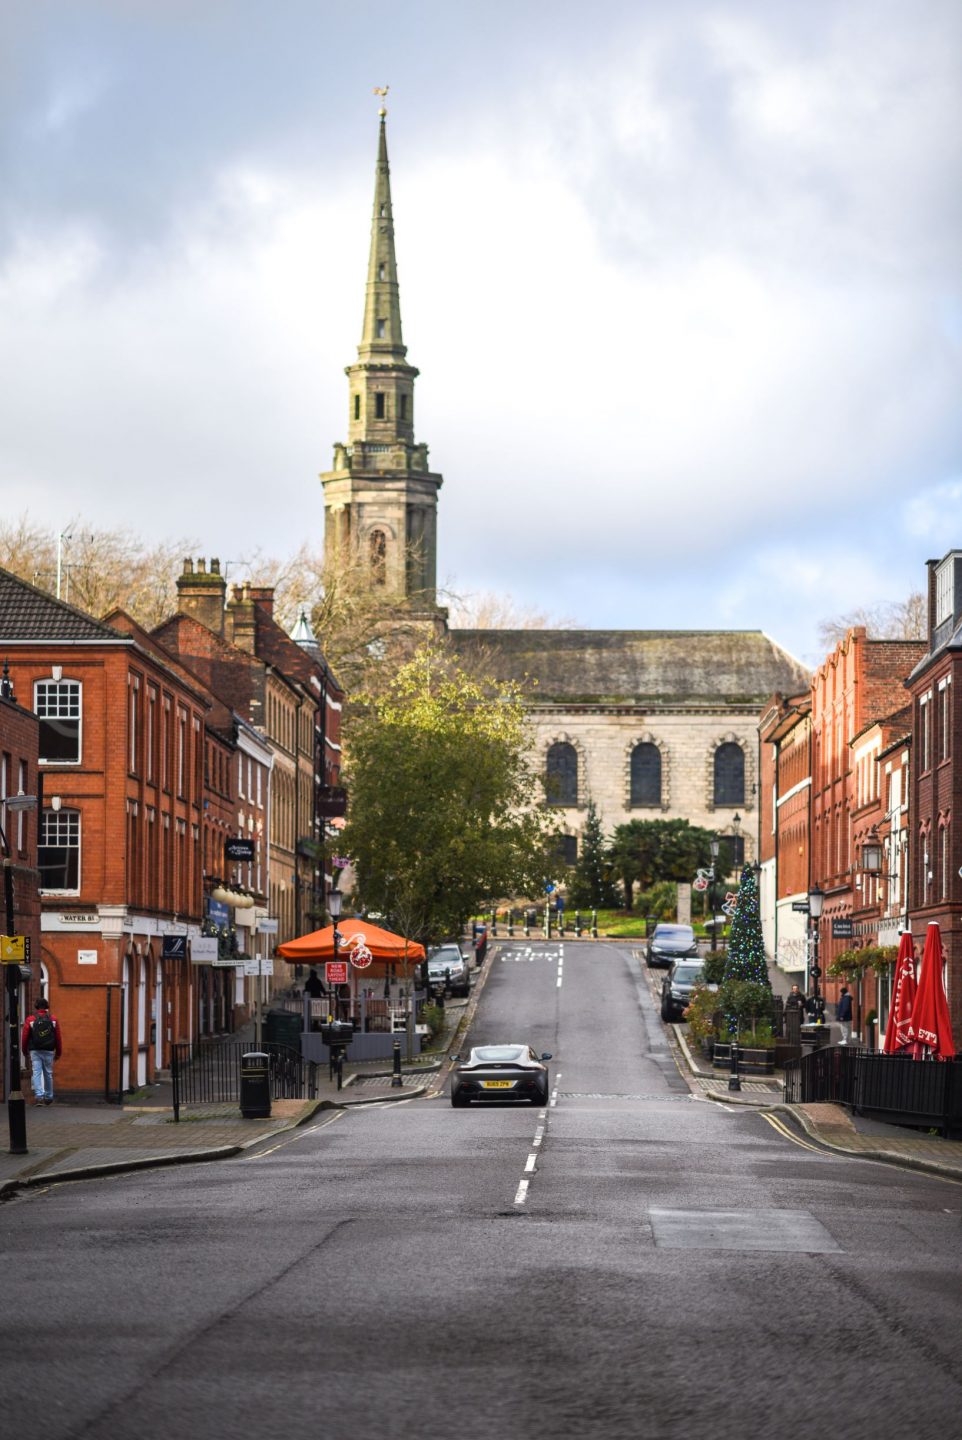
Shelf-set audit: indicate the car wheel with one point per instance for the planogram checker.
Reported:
(665, 1012)
(460, 1102)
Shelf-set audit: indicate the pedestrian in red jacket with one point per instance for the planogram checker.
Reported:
(41, 1041)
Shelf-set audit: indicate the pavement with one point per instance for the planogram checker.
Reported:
(831, 1126)
(70, 1141)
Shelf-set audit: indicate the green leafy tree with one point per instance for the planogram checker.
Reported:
(746, 990)
(590, 885)
(444, 811)
(646, 851)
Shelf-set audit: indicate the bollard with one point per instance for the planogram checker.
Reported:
(578, 924)
(511, 924)
(547, 921)
(493, 923)
(396, 1081)
(734, 1079)
(594, 924)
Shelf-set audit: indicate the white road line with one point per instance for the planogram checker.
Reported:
(542, 1114)
(538, 1135)
(519, 1199)
(529, 1164)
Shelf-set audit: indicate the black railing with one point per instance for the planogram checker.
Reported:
(209, 1074)
(922, 1093)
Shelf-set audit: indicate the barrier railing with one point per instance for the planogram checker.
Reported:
(209, 1074)
(923, 1093)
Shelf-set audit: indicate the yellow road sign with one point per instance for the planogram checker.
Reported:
(13, 949)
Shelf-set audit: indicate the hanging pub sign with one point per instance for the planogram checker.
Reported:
(238, 849)
(173, 947)
(843, 929)
(331, 801)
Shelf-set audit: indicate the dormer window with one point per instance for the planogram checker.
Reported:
(943, 591)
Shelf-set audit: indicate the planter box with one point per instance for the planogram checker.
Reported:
(752, 1060)
(708, 1048)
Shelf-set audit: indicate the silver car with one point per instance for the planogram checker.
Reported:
(447, 966)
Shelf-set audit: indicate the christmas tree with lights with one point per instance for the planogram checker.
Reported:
(746, 989)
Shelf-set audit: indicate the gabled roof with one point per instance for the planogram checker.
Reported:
(658, 668)
(28, 614)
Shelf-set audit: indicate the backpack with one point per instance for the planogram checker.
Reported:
(43, 1033)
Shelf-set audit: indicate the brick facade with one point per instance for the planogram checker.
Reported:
(19, 739)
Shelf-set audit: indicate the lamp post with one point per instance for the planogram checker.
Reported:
(334, 901)
(816, 899)
(16, 1105)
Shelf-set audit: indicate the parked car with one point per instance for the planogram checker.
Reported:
(670, 942)
(447, 964)
(676, 987)
(512, 1073)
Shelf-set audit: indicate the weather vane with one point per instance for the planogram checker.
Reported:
(382, 91)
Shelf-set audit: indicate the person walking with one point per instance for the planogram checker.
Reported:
(843, 1014)
(42, 1042)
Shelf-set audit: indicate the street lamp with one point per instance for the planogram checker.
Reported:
(816, 899)
(334, 901)
(16, 1105)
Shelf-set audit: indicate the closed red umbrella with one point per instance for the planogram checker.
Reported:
(931, 1025)
(898, 1031)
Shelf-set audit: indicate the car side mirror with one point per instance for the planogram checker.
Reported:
(546, 1055)
(455, 1057)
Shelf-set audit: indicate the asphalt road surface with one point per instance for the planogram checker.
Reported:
(631, 1261)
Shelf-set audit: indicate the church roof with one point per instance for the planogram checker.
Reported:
(655, 668)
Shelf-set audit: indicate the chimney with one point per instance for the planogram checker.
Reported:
(241, 620)
(263, 595)
(201, 592)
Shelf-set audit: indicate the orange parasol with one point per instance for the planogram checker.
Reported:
(360, 943)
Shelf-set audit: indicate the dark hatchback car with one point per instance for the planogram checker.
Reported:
(670, 942)
(676, 988)
(512, 1073)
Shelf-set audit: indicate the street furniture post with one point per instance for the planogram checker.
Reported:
(396, 1081)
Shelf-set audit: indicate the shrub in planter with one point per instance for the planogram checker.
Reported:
(700, 1013)
(713, 967)
(750, 1001)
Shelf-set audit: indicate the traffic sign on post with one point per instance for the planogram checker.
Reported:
(335, 972)
(14, 949)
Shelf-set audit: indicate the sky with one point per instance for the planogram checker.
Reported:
(683, 281)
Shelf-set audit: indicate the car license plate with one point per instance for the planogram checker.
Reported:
(497, 1084)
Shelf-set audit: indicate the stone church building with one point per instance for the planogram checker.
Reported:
(648, 723)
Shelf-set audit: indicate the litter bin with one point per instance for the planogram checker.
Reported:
(480, 944)
(255, 1085)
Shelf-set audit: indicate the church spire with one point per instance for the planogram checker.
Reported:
(381, 334)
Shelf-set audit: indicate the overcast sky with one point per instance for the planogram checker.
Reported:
(683, 281)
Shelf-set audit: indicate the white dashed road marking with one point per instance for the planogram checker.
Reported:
(519, 1199)
(529, 1164)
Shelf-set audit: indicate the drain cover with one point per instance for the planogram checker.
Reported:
(784, 1230)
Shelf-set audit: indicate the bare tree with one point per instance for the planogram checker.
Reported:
(894, 620)
(490, 610)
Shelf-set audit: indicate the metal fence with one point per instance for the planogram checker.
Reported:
(209, 1074)
(923, 1093)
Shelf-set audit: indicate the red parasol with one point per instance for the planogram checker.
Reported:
(898, 1032)
(931, 1025)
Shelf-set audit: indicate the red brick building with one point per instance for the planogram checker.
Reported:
(935, 684)
(19, 777)
(785, 736)
(861, 681)
(121, 759)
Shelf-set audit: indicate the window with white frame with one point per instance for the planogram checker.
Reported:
(57, 705)
(58, 850)
(945, 717)
(925, 731)
(943, 591)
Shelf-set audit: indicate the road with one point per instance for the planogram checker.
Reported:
(670, 1267)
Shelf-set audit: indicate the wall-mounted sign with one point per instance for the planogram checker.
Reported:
(238, 849)
(266, 925)
(262, 966)
(203, 950)
(86, 957)
(173, 947)
(801, 906)
(843, 929)
(79, 917)
(14, 949)
(218, 911)
(331, 801)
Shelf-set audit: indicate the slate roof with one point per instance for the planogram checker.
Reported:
(654, 668)
(30, 614)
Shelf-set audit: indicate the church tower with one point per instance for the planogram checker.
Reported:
(380, 498)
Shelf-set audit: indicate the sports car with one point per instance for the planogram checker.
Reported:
(512, 1073)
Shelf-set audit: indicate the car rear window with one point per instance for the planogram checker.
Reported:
(674, 932)
(687, 974)
(500, 1054)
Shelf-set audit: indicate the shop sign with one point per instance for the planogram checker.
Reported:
(203, 950)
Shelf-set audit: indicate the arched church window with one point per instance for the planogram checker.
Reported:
(378, 543)
(646, 775)
(562, 774)
(729, 775)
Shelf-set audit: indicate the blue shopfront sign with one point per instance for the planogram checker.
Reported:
(218, 912)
